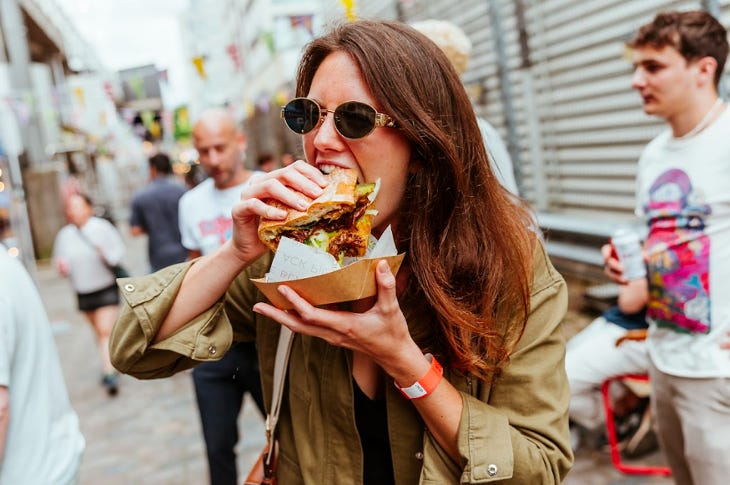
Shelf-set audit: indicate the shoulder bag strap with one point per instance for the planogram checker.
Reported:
(283, 350)
(96, 250)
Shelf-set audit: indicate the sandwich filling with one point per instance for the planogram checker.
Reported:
(339, 222)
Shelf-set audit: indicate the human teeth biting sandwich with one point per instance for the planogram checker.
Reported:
(337, 222)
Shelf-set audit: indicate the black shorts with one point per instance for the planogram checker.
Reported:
(91, 301)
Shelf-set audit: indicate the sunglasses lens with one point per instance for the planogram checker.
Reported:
(301, 115)
(355, 120)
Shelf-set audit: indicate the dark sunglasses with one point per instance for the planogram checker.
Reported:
(352, 119)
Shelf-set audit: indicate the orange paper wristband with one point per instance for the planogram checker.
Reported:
(426, 384)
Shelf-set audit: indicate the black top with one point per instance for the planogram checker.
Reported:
(371, 418)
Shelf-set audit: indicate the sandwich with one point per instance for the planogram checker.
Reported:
(337, 222)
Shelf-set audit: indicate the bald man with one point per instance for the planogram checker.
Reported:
(205, 224)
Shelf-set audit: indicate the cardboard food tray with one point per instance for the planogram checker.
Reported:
(352, 282)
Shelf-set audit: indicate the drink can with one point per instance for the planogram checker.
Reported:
(628, 249)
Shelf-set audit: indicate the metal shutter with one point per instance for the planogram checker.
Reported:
(566, 103)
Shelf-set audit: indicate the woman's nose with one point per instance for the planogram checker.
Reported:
(326, 135)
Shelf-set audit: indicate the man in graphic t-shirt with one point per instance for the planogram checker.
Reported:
(205, 224)
(682, 194)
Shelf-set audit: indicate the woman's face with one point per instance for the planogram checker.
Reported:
(384, 153)
(78, 211)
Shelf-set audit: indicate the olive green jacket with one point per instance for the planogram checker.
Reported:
(513, 429)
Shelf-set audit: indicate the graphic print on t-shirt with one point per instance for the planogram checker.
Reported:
(679, 255)
(217, 231)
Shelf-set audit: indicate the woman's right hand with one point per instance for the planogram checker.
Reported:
(289, 185)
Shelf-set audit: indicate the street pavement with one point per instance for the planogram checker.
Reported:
(150, 432)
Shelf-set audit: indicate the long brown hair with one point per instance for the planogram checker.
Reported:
(468, 242)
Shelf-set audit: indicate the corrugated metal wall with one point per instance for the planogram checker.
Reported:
(593, 128)
(553, 77)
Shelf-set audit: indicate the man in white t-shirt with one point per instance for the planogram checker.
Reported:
(205, 224)
(682, 193)
(40, 439)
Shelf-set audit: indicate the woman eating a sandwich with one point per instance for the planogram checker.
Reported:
(453, 372)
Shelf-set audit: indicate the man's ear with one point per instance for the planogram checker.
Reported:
(706, 69)
(241, 139)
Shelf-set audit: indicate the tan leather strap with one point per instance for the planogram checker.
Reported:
(283, 349)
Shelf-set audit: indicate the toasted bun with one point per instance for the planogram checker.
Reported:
(339, 194)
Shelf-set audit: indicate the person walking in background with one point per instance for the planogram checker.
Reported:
(40, 439)
(454, 371)
(287, 159)
(155, 213)
(682, 194)
(593, 356)
(194, 175)
(84, 251)
(266, 162)
(205, 224)
(457, 47)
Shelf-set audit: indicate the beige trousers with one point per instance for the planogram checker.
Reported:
(693, 420)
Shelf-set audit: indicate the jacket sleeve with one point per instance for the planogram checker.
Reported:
(144, 304)
(516, 430)
(147, 300)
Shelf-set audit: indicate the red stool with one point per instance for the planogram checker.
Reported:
(629, 379)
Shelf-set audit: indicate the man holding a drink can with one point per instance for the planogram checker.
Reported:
(682, 194)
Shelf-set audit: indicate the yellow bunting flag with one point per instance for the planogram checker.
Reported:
(249, 109)
(199, 63)
(349, 9)
(79, 94)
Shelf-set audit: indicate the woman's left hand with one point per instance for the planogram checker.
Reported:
(380, 332)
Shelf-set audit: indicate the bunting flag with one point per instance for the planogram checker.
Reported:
(109, 90)
(199, 63)
(79, 95)
(268, 38)
(22, 106)
(182, 128)
(262, 104)
(280, 98)
(249, 109)
(349, 9)
(20, 109)
(233, 53)
(302, 21)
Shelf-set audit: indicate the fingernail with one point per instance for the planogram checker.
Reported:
(383, 266)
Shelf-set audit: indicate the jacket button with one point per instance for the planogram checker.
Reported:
(419, 455)
(129, 287)
(212, 350)
(492, 470)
